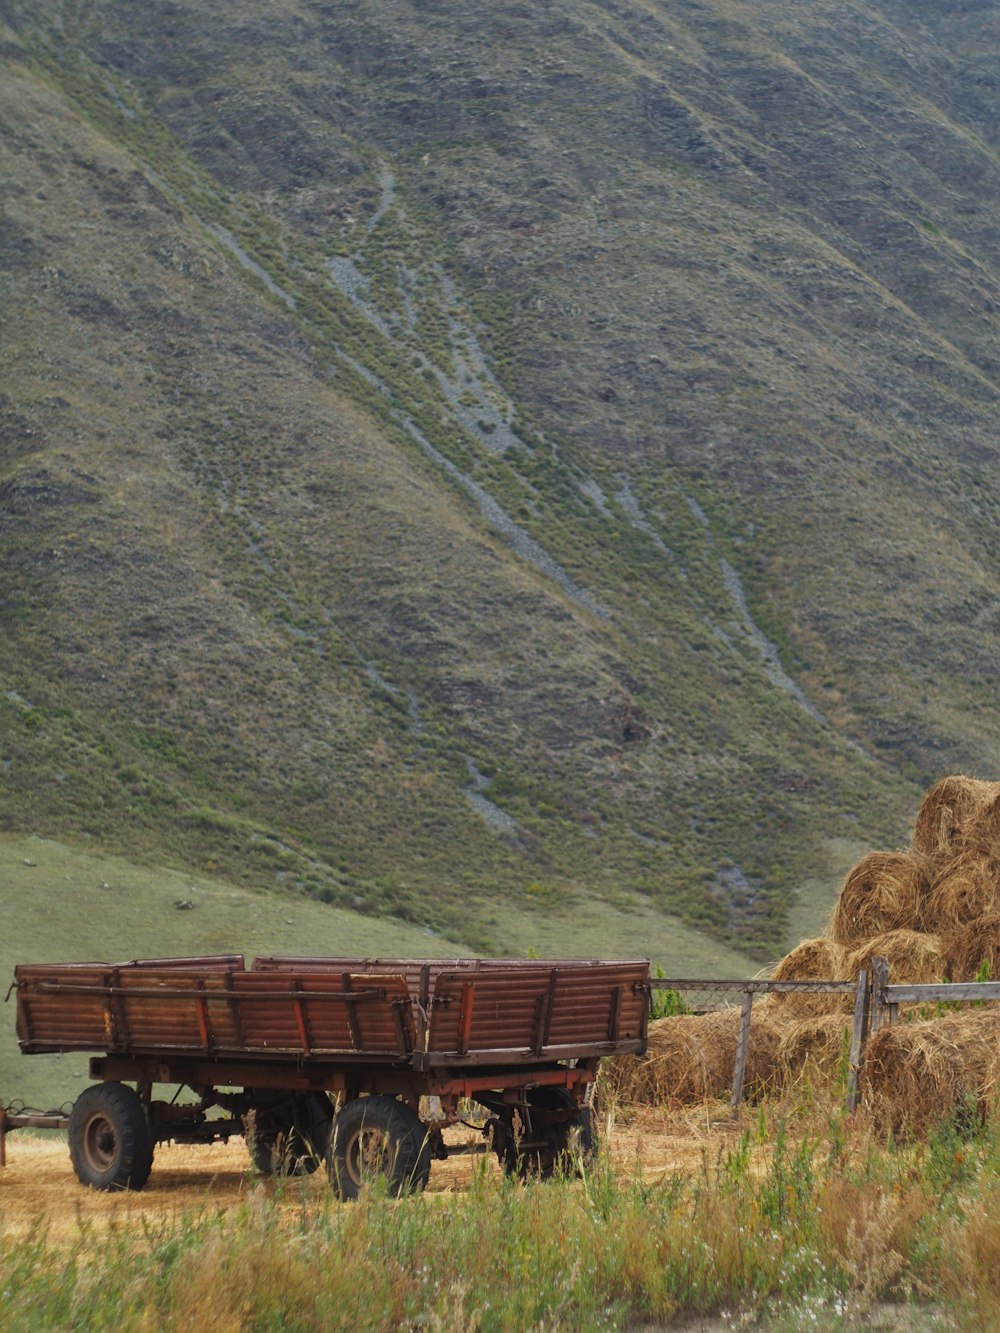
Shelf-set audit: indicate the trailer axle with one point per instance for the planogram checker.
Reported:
(8, 1123)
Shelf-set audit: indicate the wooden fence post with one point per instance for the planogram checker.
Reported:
(880, 979)
(862, 1014)
(741, 1049)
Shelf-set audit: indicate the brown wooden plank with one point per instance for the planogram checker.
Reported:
(963, 991)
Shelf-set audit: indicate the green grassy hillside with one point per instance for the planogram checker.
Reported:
(497, 471)
(61, 904)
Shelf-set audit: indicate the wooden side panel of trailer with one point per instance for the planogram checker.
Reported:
(555, 1012)
(221, 1011)
(422, 1012)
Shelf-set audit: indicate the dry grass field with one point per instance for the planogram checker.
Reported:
(690, 1220)
(38, 1186)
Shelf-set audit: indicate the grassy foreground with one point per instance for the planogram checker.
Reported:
(786, 1228)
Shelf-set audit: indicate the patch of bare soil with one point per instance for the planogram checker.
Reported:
(38, 1186)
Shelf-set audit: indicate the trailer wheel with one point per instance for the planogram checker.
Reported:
(110, 1144)
(291, 1138)
(560, 1136)
(378, 1137)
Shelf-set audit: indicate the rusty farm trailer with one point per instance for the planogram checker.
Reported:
(358, 1063)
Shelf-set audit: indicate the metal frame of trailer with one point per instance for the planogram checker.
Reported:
(358, 1063)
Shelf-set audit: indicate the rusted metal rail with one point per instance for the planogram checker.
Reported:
(10, 1121)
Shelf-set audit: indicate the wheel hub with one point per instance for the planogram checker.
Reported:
(100, 1142)
(369, 1154)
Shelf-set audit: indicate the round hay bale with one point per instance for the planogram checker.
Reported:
(990, 1091)
(973, 946)
(983, 829)
(912, 956)
(813, 1049)
(691, 1057)
(812, 960)
(913, 1075)
(883, 892)
(966, 886)
(948, 810)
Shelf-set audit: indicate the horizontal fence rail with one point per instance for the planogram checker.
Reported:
(704, 996)
(960, 992)
(764, 986)
(887, 998)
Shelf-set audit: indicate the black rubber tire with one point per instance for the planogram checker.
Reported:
(110, 1144)
(292, 1137)
(568, 1143)
(378, 1137)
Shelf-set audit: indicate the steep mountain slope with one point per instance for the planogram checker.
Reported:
(458, 459)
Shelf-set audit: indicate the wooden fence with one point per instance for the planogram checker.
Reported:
(706, 996)
(876, 1003)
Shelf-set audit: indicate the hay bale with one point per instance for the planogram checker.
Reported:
(972, 945)
(989, 1095)
(812, 960)
(912, 956)
(982, 832)
(913, 1075)
(947, 812)
(813, 1049)
(965, 887)
(885, 891)
(691, 1058)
